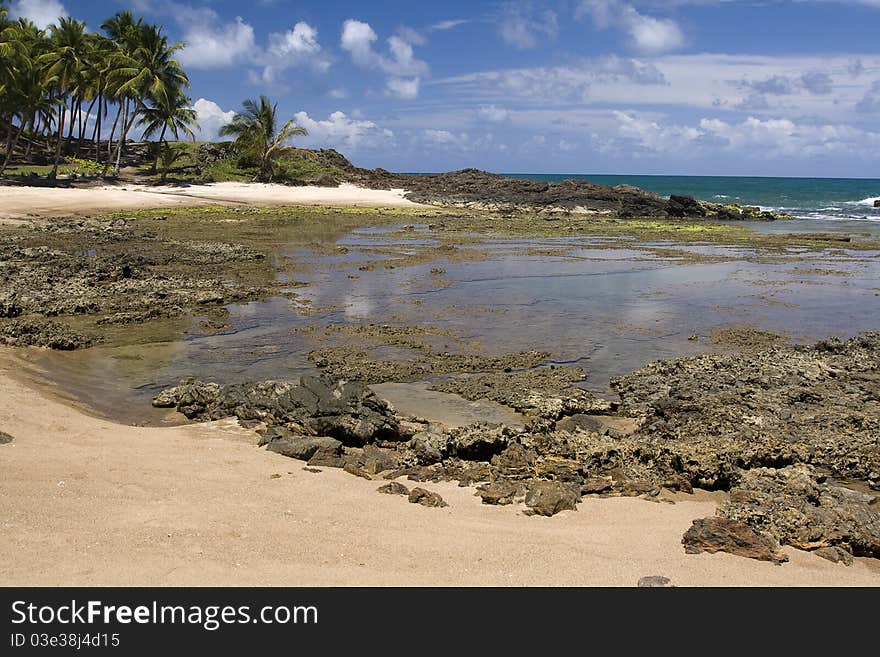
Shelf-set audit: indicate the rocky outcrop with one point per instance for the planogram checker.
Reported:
(312, 406)
(709, 417)
(425, 498)
(393, 488)
(547, 498)
(799, 507)
(5, 438)
(33, 332)
(734, 212)
(724, 535)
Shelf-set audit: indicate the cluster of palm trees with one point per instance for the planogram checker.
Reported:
(60, 89)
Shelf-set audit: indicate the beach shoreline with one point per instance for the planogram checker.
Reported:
(22, 202)
(87, 502)
(90, 501)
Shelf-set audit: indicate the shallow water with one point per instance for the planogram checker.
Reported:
(608, 311)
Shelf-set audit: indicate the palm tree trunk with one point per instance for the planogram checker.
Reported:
(127, 123)
(30, 142)
(83, 124)
(159, 150)
(8, 149)
(72, 122)
(110, 139)
(97, 136)
(11, 149)
(54, 174)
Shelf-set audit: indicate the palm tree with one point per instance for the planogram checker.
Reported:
(174, 114)
(169, 155)
(63, 65)
(256, 135)
(148, 73)
(32, 103)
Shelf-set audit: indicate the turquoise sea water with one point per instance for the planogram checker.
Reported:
(820, 199)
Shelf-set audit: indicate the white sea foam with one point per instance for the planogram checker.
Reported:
(868, 201)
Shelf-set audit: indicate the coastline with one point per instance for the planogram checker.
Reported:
(89, 502)
(21, 202)
(93, 502)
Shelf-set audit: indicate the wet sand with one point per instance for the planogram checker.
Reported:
(20, 202)
(84, 501)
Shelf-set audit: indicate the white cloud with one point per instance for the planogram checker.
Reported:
(557, 84)
(870, 103)
(647, 34)
(358, 39)
(211, 44)
(298, 46)
(341, 131)
(42, 13)
(493, 113)
(763, 85)
(448, 24)
(400, 64)
(211, 118)
(523, 28)
(403, 88)
(751, 137)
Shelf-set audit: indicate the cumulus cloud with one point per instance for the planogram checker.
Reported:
(211, 118)
(42, 13)
(750, 137)
(403, 68)
(212, 44)
(403, 88)
(357, 40)
(522, 27)
(341, 131)
(296, 47)
(647, 34)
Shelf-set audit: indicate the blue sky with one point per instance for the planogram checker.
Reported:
(772, 87)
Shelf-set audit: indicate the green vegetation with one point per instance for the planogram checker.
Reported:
(257, 137)
(57, 84)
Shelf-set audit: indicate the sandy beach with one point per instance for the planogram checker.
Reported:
(84, 501)
(22, 202)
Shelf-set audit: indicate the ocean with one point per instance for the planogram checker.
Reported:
(815, 200)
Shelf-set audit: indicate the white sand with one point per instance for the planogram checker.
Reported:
(22, 202)
(88, 502)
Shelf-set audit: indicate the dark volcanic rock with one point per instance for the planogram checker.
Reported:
(356, 470)
(480, 189)
(5, 438)
(547, 498)
(654, 581)
(515, 462)
(835, 554)
(724, 535)
(499, 492)
(425, 498)
(478, 442)
(799, 508)
(684, 206)
(393, 488)
(304, 448)
(347, 411)
(596, 485)
(708, 417)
